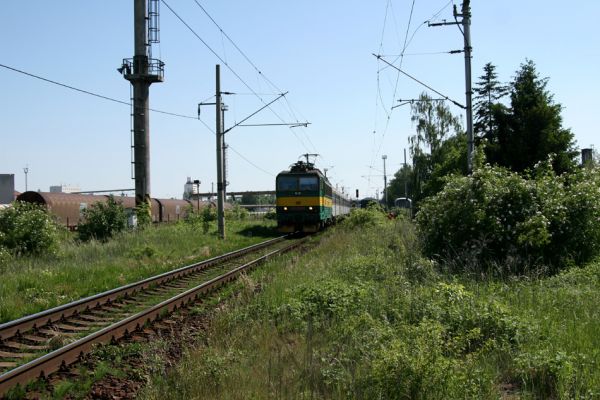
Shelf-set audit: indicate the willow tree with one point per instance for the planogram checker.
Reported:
(435, 146)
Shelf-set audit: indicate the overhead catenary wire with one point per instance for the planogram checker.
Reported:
(404, 47)
(403, 53)
(235, 151)
(292, 112)
(228, 66)
(430, 53)
(420, 82)
(237, 47)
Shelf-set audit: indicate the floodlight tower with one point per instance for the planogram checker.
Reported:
(142, 70)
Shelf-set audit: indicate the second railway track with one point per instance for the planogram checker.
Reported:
(40, 344)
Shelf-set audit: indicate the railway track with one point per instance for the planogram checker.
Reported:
(40, 344)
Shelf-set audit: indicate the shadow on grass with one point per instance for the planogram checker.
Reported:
(260, 231)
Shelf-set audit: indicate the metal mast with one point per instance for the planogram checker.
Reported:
(142, 71)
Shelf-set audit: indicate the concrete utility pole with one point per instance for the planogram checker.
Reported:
(466, 31)
(142, 71)
(466, 22)
(220, 134)
(384, 157)
(224, 150)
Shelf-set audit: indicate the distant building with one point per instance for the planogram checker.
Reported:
(64, 189)
(191, 188)
(7, 188)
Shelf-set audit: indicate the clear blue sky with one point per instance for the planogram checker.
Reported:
(319, 51)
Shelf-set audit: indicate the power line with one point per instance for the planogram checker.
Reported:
(237, 47)
(258, 70)
(235, 151)
(404, 47)
(406, 44)
(64, 85)
(431, 53)
(420, 82)
(227, 65)
(125, 103)
(249, 162)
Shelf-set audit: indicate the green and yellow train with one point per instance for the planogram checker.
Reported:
(306, 201)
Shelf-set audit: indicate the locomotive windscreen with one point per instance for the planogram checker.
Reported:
(287, 183)
(309, 183)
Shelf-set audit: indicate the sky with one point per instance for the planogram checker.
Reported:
(320, 52)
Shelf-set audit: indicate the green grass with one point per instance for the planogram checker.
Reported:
(33, 284)
(561, 355)
(364, 316)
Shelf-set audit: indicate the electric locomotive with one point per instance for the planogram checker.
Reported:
(306, 201)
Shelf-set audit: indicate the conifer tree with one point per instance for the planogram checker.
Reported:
(488, 92)
(532, 128)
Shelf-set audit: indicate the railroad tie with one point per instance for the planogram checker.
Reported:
(6, 354)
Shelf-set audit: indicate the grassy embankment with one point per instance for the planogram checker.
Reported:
(32, 284)
(364, 316)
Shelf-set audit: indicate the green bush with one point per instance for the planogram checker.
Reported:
(143, 214)
(27, 228)
(209, 213)
(204, 217)
(414, 367)
(373, 215)
(192, 216)
(546, 373)
(272, 215)
(236, 213)
(102, 221)
(499, 219)
(469, 323)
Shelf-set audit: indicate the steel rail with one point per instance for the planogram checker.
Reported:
(72, 352)
(24, 324)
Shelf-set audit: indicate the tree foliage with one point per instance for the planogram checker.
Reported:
(252, 199)
(435, 146)
(401, 184)
(143, 213)
(101, 221)
(488, 92)
(517, 136)
(531, 129)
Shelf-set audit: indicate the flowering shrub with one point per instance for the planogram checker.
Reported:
(27, 229)
(497, 218)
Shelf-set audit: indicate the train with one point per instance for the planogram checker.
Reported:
(306, 201)
(405, 205)
(68, 208)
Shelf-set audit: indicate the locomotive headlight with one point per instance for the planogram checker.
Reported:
(284, 208)
(310, 208)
